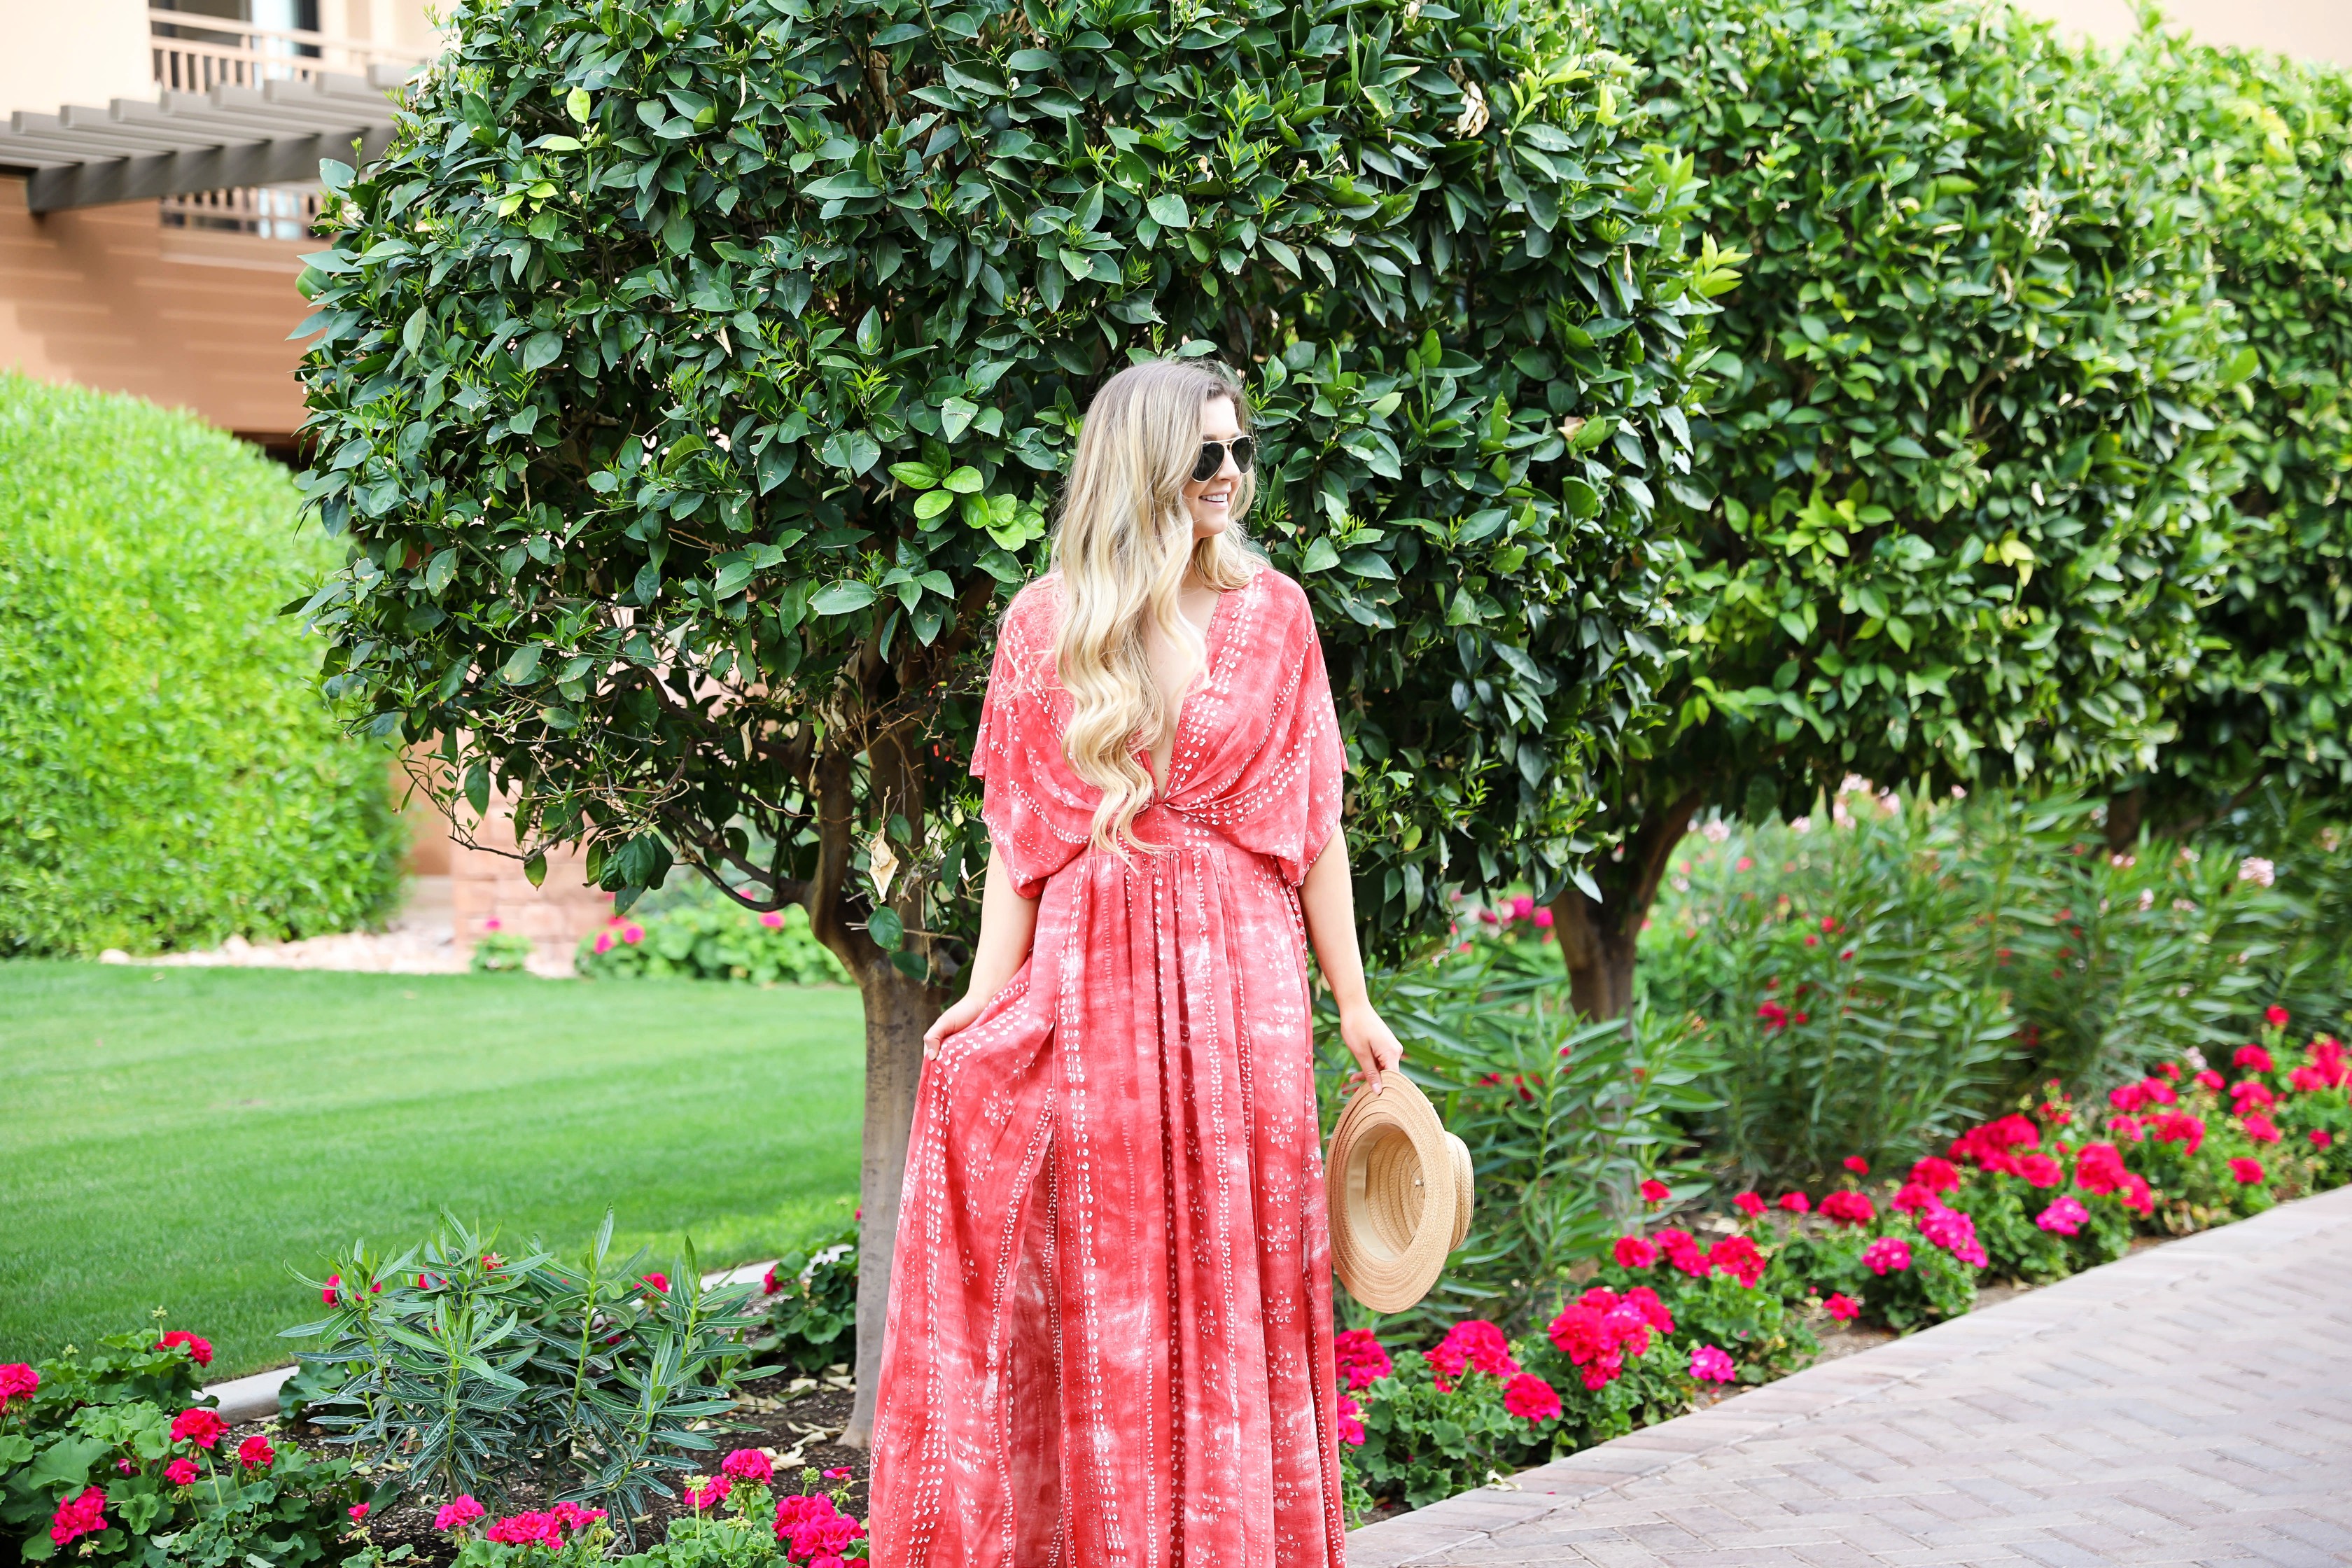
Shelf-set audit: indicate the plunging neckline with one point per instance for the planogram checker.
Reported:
(1161, 788)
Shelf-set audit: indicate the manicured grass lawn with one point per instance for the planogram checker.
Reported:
(178, 1137)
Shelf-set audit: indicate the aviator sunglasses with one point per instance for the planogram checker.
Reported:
(1213, 457)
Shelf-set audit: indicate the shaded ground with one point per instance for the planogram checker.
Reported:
(796, 1418)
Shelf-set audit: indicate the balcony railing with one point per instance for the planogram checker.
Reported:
(195, 53)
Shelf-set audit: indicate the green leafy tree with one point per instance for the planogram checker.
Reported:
(1954, 510)
(691, 384)
(2270, 140)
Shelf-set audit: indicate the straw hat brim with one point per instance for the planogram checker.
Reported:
(1399, 1189)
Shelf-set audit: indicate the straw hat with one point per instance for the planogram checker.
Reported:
(1399, 1190)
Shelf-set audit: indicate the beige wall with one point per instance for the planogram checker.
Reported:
(2308, 29)
(73, 51)
(107, 297)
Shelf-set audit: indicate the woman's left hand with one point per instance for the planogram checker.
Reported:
(1371, 1042)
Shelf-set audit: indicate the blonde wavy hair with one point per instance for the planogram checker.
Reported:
(1122, 545)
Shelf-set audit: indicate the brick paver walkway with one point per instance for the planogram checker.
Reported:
(2190, 1403)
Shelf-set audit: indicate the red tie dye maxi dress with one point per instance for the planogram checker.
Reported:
(1110, 1342)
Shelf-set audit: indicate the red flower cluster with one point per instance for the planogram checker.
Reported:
(1682, 1250)
(1843, 1307)
(1772, 1015)
(1955, 1233)
(1848, 1208)
(1935, 1175)
(1796, 1202)
(2326, 1067)
(1858, 1164)
(1737, 1257)
(2252, 1057)
(1655, 1192)
(1472, 1345)
(256, 1454)
(817, 1532)
(1749, 1205)
(1632, 1252)
(1531, 1399)
(1362, 1361)
(181, 1472)
(2178, 1127)
(1709, 1364)
(1600, 1329)
(2248, 1172)
(710, 1494)
(1987, 1147)
(549, 1530)
(17, 1381)
(1351, 1420)
(200, 1350)
(82, 1514)
(201, 1427)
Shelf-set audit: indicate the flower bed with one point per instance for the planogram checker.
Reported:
(1667, 1318)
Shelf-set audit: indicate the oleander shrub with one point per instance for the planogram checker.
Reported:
(711, 941)
(458, 1370)
(169, 775)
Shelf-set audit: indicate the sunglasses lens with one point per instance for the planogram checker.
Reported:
(1213, 457)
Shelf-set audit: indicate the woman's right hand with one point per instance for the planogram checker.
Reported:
(953, 1020)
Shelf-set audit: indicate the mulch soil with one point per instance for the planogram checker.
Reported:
(798, 1420)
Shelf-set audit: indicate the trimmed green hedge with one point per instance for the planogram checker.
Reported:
(168, 773)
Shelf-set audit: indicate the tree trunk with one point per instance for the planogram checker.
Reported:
(1599, 956)
(1598, 936)
(897, 1011)
(2124, 812)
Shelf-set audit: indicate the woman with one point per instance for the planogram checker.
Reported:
(1109, 1342)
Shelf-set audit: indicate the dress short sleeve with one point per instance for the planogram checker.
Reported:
(1039, 813)
(1284, 801)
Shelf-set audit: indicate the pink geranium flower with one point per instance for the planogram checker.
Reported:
(2063, 1218)
(17, 1381)
(2098, 1168)
(181, 1472)
(1632, 1252)
(1531, 1399)
(2247, 1172)
(1858, 1164)
(2039, 1169)
(1796, 1202)
(1655, 1192)
(2252, 1057)
(709, 1495)
(1750, 1204)
(2261, 1128)
(200, 1350)
(256, 1454)
(1684, 1252)
(1887, 1255)
(747, 1465)
(604, 943)
(1709, 1364)
(2276, 1016)
(1843, 1307)
(458, 1513)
